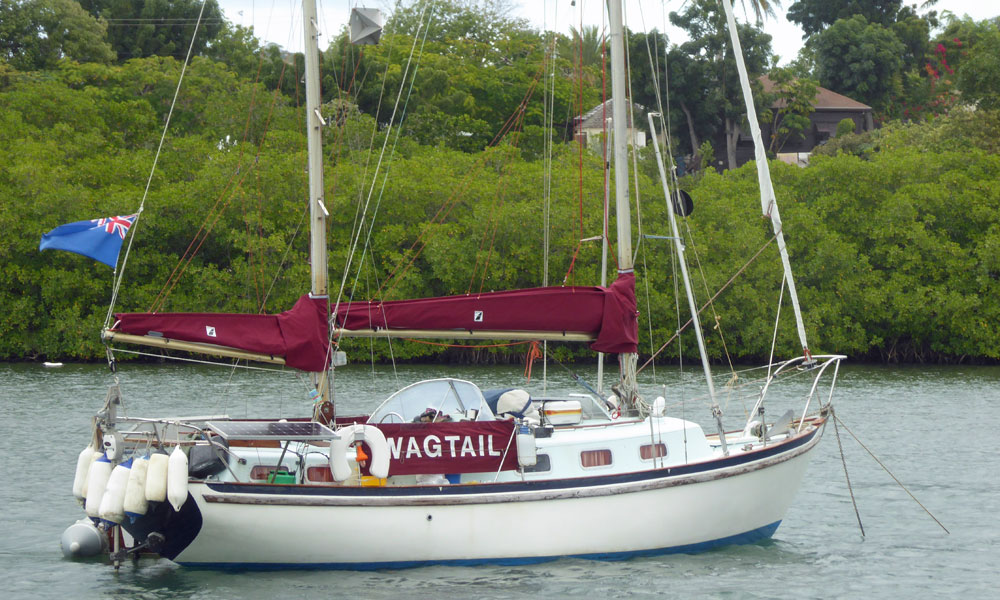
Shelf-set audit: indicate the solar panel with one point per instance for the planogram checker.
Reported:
(296, 431)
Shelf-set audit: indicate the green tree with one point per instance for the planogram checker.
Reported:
(704, 78)
(646, 52)
(979, 74)
(861, 60)
(238, 48)
(791, 101)
(464, 92)
(486, 22)
(157, 27)
(36, 34)
(814, 16)
(762, 8)
(845, 127)
(588, 44)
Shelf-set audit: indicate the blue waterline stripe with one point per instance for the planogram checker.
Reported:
(749, 537)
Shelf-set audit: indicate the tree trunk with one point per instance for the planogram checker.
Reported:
(694, 137)
(732, 132)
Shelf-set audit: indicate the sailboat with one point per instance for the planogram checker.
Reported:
(444, 472)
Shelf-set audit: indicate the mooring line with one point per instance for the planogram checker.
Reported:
(846, 475)
(836, 419)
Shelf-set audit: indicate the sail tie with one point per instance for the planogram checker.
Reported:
(534, 353)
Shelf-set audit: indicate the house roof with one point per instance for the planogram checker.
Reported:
(825, 99)
(593, 118)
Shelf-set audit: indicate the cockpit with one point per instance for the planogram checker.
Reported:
(456, 399)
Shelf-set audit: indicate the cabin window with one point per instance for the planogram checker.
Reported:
(651, 451)
(595, 458)
(542, 464)
(319, 474)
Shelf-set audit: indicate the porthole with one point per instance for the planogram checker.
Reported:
(651, 451)
(595, 458)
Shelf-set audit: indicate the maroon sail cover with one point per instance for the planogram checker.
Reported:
(299, 335)
(443, 448)
(608, 313)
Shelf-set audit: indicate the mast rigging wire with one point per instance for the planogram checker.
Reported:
(359, 221)
(149, 180)
(710, 300)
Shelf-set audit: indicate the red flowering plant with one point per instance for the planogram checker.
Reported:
(937, 92)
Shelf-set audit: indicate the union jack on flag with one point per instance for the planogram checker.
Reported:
(100, 239)
(117, 225)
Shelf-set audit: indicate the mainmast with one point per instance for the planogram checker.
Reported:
(317, 210)
(314, 123)
(627, 388)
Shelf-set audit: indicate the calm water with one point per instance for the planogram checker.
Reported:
(931, 426)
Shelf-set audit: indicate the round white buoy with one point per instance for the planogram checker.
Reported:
(177, 478)
(83, 539)
(113, 502)
(82, 468)
(156, 478)
(135, 504)
(97, 481)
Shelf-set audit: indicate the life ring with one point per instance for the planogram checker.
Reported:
(358, 432)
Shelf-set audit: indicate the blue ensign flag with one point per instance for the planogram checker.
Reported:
(99, 239)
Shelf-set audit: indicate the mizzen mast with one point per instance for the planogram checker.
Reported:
(768, 202)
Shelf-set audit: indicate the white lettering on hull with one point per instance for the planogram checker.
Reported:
(413, 448)
(432, 446)
(452, 446)
(467, 447)
(395, 445)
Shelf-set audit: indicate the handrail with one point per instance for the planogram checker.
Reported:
(825, 359)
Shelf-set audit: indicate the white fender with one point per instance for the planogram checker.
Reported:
(527, 451)
(97, 480)
(93, 458)
(87, 456)
(177, 478)
(113, 501)
(359, 433)
(135, 490)
(156, 478)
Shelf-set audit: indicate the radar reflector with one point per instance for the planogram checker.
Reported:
(366, 26)
(683, 204)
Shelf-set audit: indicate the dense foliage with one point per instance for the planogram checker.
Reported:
(894, 234)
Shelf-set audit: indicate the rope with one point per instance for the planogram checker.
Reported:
(149, 180)
(710, 303)
(378, 165)
(777, 317)
(470, 347)
(420, 243)
(533, 354)
(710, 300)
(194, 360)
(215, 213)
(579, 106)
(846, 475)
(886, 469)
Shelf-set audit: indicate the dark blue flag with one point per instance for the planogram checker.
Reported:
(99, 239)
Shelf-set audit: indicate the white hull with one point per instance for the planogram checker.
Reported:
(655, 513)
